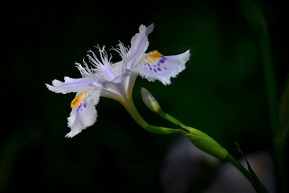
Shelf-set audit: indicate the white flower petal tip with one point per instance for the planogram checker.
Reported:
(69, 85)
(145, 29)
(155, 66)
(83, 113)
(49, 87)
(72, 133)
(80, 118)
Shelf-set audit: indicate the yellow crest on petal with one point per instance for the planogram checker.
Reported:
(78, 99)
(153, 56)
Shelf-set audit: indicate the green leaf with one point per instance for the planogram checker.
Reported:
(259, 187)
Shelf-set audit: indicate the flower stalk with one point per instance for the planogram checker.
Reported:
(132, 110)
(203, 141)
(116, 80)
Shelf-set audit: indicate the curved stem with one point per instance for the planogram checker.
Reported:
(132, 110)
(198, 138)
(209, 145)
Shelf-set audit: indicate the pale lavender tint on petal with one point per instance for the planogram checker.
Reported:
(162, 68)
(69, 85)
(139, 44)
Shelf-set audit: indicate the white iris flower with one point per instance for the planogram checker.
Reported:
(115, 80)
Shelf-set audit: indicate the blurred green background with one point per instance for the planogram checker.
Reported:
(222, 91)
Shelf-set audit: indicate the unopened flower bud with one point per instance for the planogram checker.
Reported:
(150, 101)
(205, 143)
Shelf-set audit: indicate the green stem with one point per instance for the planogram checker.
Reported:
(240, 167)
(203, 141)
(278, 140)
(207, 144)
(256, 19)
(132, 110)
(270, 82)
(254, 181)
(170, 118)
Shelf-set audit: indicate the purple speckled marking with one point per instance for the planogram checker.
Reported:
(84, 105)
(79, 107)
(156, 67)
(161, 61)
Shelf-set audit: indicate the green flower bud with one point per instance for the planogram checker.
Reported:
(150, 101)
(205, 143)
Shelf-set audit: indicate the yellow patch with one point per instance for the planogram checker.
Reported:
(77, 100)
(153, 56)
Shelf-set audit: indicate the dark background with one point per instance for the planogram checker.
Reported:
(222, 91)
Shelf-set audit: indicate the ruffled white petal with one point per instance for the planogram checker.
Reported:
(155, 66)
(139, 44)
(84, 114)
(69, 85)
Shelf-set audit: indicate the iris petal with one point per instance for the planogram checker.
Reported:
(155, 66)
(83, 113)
(69, 85)
(139, 44)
